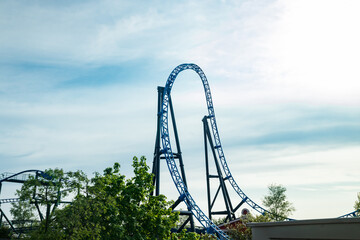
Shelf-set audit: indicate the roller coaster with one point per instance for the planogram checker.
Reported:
(164, 150)
(25, 225)
(19, 177)
(165, 109)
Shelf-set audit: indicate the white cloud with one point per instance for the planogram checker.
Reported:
(314, 49)
(97, 126)
(298, 51)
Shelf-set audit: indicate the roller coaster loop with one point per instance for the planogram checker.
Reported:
(167, 150)
(215, 132)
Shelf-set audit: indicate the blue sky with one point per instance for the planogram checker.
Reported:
(78, 90)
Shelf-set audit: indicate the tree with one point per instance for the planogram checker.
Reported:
(5, 232)
(357, 203)
(277, 204)
(113, 207)
(23, 213)
(184, 235)
(107, 206)
(240, 231)
(41, 194)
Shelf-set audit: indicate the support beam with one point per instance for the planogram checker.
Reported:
(229, 212)
(158, 155)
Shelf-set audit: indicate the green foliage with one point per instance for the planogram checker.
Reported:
(21, 211)
(277, 204)
(109, 206)
(219, 221)
(4, 232)
(357, 202)
(41, 194)
(240, 231)
(259, 218)
(357, 205)
(184, 235)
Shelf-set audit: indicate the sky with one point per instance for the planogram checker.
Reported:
(78, 90)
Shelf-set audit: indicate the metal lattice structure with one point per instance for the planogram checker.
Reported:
(217, 142)
(229, 211)
(167, 149)
(9, 200)
(355, 213)
(19, 177)
(22, 176)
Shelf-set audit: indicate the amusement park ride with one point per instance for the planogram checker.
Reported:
(21, 177)
(165, 150)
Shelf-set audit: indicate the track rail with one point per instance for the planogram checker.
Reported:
(215, 133)
(170, 157)
(351, 214)
(9, 200)
(167, 150)
(21, 176)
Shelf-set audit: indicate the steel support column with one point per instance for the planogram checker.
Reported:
(158, 155)
(229, 212)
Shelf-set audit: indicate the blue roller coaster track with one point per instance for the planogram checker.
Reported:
(167, 150)
(170, 158)
(21, 176)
